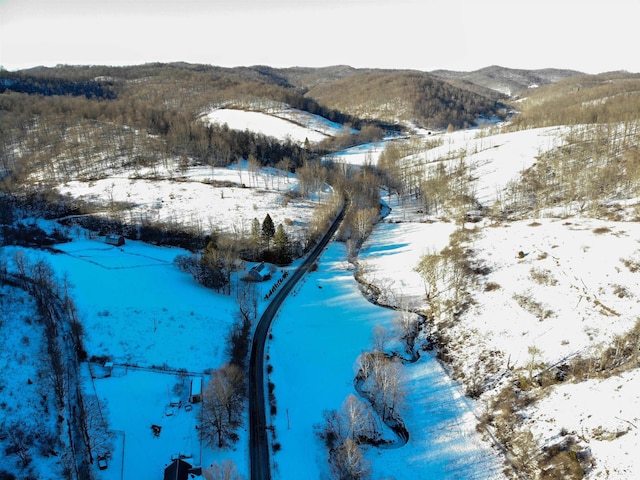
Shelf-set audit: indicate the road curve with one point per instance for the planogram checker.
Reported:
(260, 464)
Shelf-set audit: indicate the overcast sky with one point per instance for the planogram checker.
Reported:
(585, 35)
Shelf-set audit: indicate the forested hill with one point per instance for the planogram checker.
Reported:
(340, 93)
(408, 97)
(605, 98)
(102, 108)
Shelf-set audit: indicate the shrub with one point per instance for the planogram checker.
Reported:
(543, 277)
(530, 305)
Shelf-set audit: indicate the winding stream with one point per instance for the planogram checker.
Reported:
(317, 337)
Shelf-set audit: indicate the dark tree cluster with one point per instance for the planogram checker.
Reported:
(48, 87)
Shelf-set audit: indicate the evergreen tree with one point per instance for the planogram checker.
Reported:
(282, 245)
(268, 229)
(255, 230)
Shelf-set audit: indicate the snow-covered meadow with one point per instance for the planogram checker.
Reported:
(203, 198)
(317, 338)
(281, 122)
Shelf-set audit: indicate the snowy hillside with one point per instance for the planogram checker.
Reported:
(553, 289)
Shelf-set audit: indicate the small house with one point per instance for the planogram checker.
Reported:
(177, 470)
(259, 272)
(195, 394)
(117, 240)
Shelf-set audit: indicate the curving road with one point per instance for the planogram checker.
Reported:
(260, 464)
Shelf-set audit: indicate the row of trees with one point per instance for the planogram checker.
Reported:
(24, 83)
(444, 187)
(265, 235)
(63, 335)
(214, 266)
(380, 379)
(224, 395)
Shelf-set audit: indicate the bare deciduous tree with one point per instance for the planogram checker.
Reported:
(360, 423)
(221, 406)
(385, 385)
(226, 470)
(98, 437)
(348, 462)
(20, 440)
(430, 268)
(380, 337)
(247, 301)
(408, 325)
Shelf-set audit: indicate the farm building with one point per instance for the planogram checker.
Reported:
(117, 240)
(259, 272)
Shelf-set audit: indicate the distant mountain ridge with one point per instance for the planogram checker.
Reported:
(507, 81)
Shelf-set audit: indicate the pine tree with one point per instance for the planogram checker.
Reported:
(268, 229)
(282, 245)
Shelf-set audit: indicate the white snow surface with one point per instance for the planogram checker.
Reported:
(284, 124)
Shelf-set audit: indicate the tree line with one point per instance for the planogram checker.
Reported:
(32, 85)
(64, 333)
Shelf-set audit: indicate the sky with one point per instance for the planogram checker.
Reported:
(586, 35)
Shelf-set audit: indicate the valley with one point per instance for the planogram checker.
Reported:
(504, 284)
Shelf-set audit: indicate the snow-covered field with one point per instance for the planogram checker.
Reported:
(198, 200)
(160, 329)
(282, 123)
(575, 274)
(137, 307)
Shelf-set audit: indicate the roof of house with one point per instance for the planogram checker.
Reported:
(260, 269)
(178, 470)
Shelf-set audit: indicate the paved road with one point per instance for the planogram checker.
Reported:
(258, 435)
